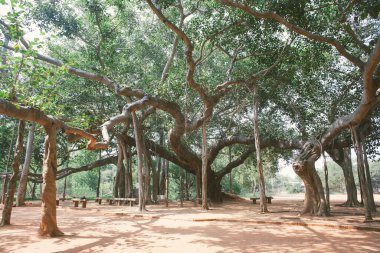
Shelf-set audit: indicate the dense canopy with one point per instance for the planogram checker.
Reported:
(202, 84)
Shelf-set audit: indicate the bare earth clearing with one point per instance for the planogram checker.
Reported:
(234, 226)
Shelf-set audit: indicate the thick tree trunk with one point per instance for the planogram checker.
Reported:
(371, 200)
(181, 186)
(230, 174)
(162, 179)
(140, 159)
(64, 189)
(147, 177)
(156, 179)
(187, 186)
(20, 201)
(199, 186)
(342, 156)
(205, 167)
(6, 178)
(48, 224)
(8, 204)
(4, 192)
(359, 149)
(214, 187)
(34, 191)
(99, 177)
(128, 170)
(167, 184)
(66, 176)
(304, 167)
(121, 187)
(156, 173)
(118, 177)
(326, 183)
(263, 202)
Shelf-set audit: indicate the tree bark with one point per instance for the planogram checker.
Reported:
(120, 176)
(64, 189)
(147, 177)
(214, 187)
(326, 184)
(181, 186)
(371, 200)
(167, 183)
(204, 167)
(198, 176)
(263, 201)
(163, 178)
(20, 201)
(99, 177)
(48, 224)
(128, 170)
(187, 186)
(304, 167)
(361, 171)
(230, 174)
(4, 192)
(140, 159)
(34, 191)
(156, 178)
(8, 204)
(342, 156)
(116, 186)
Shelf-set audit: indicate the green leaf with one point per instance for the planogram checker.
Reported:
(3, 94)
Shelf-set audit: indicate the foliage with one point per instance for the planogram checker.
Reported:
(311, 86)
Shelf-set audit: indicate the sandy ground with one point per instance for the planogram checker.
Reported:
(234, 226)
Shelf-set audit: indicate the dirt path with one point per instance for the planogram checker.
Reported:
(234, 226)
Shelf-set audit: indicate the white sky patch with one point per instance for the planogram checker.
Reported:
(31, 32)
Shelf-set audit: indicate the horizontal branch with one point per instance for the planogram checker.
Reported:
(239, 161)
(353, 119)
(265, 143)
(37, 178)
(37, 116)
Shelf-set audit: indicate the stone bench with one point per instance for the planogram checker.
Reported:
(269, 200)
(82, 201)
(131, 201)
(118, 201)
